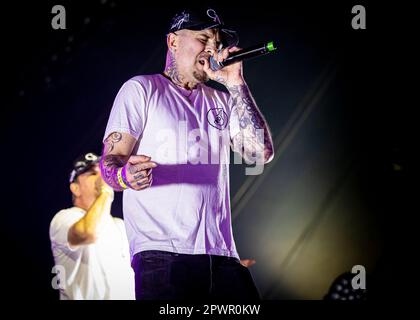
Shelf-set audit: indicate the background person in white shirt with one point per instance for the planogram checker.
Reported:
(178, 217)
(88, 242)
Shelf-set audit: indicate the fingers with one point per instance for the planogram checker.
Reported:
(99, 183)
(107, 190)
(142, 183)
(247, 262)
(224, 54)
(140, 176)
(234, 49)
(133, 169)
(138, 159)
(221, 75)
(221, 55)
(141, 186)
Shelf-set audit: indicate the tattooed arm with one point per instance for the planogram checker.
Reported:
(254, 139)
(117, 154)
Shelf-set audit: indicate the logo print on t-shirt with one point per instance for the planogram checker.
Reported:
(217, 118)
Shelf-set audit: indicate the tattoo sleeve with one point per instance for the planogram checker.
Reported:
(254, 138)
(110, 163)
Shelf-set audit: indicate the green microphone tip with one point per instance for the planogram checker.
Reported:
(270, 46)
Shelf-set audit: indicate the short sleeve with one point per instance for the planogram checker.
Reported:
(60, 225)
(128, 113)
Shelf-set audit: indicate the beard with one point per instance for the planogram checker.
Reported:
(200, 76)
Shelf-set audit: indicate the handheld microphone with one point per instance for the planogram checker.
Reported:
(254, 51)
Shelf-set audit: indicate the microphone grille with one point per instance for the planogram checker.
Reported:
(214, 65)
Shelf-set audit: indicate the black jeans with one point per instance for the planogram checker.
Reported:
(162, 275)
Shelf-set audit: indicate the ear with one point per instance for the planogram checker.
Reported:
(172, 41)
(75, 189)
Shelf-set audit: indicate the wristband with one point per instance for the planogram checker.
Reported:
(124, 177)
(120, 179)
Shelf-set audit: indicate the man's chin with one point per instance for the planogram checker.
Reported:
(200, 76)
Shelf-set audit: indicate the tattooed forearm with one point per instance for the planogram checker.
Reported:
(109, 166)
(111, 141)
(255, 137)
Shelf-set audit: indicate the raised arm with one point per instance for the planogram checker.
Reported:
(84, 231)
(254, 141)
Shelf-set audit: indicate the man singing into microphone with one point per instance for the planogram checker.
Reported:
(178, 217)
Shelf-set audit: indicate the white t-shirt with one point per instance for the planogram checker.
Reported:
(187, 208)
(99, 271)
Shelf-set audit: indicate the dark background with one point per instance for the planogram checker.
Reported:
(62, 84)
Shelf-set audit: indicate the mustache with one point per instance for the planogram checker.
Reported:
(205, 56)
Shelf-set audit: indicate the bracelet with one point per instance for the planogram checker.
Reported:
(124, 177)
(120, 179)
